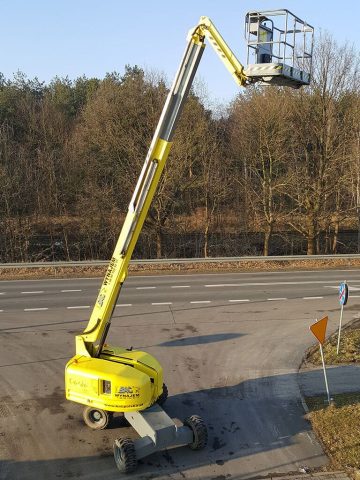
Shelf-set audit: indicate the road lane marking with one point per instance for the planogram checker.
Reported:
(145, 288)
(38, 291)
(180, 286)
(123, 305)
(2, 293)
(279, 298)
(66, 291)
(35, 309)
(352, 288)
(312, 298)
(78, 307)
(240, 300)
(260, 284)
(354, 296)
(223, 274)
(201, 301)
(162, 303)
(1, 311)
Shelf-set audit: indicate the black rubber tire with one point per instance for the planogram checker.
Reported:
(125, 455)
(96, 418)
(199, 429)
(163, 397)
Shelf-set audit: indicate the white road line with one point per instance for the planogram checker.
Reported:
(202, 301)
(123, 305)
(260, 284)
(35, 309)
(66, 291)
(240, 300)
(145, 288)
(354, 296)
(281, 272)
(162, 303)
(352, 288)
(78, 306)
(1, 311)
(180, 286)
(38, 291)
(2, 293)
(279, 298)
(312, 298)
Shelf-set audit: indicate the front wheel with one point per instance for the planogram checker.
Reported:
(96, 418)
(125, 455)
(163, 397)
(200, 433)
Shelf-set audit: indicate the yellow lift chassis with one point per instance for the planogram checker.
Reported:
(107, 379)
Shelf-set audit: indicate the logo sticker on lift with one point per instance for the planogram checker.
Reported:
(128, 392)
(100, 299)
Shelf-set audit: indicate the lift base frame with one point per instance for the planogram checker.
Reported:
(157, 431)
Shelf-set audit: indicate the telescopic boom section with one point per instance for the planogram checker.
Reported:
(91, 341)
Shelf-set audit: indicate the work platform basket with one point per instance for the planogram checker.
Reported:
(279, 48)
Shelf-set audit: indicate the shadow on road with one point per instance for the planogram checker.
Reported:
(200, 340)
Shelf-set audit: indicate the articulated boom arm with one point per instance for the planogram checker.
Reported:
(207, 29)
(91, 341)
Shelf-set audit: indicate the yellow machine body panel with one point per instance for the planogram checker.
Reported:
(118, 381)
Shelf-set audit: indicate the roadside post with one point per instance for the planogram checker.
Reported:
(343, 298)
(319, 331)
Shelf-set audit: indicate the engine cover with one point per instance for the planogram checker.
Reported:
(118, 381)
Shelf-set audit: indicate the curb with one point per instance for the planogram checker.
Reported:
(336, 475)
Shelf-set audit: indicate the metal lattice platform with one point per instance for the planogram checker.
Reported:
(279, 48)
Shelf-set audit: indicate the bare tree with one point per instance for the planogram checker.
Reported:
(320, 135)
(260, 141)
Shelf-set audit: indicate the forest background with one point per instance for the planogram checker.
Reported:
(275, 172)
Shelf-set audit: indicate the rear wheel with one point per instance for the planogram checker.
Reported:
(199, 429)
(163, 397)
(96, 418)
(125, 455)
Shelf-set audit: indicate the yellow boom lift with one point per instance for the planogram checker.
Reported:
(108, 379)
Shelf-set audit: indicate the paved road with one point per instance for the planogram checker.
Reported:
(233, 360)
(165, 290)
(341, 379)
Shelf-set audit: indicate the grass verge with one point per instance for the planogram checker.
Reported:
(349, 351)
(338, 428)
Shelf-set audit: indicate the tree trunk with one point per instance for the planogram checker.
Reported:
(158, 243)
(311, 236)
(206, 240)
(268, 233)
(310, 244)
(335, 238)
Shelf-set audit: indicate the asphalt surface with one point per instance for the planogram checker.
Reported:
(230, 345)
(341, 379)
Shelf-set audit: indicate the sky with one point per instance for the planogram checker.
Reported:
(48, 38)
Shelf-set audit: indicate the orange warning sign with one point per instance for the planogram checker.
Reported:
(319, 329)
